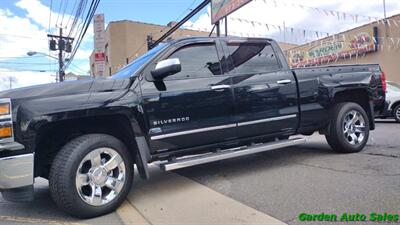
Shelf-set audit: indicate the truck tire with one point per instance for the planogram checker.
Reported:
(396, 113)
(349, 128)
(91, 175)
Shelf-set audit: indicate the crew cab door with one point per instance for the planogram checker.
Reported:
(193, 107)
(264, 88)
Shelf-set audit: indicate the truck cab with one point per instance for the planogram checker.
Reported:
(183, 103)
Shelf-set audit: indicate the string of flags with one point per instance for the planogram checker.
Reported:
(281, 28)
(338, 14)
(382, 43)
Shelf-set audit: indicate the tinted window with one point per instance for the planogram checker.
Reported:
(251, 57)
(197, 61)
(134, 66)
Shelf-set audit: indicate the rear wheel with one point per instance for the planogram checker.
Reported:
(349, 128)
(91, 175)
(396, 113)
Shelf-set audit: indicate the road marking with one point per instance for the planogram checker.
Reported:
(36, 221)
(168, 198)
(130, 215)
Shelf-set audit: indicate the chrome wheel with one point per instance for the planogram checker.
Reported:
(100, 176)
(354, 127)
(397, 113)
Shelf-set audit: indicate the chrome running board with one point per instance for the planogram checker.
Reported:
(193, 160)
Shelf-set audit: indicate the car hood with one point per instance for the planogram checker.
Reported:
(66, 88)
(67, 96)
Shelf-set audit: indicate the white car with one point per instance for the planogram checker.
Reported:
(392, 108)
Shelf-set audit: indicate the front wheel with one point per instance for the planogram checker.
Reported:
(396, 113)
(91, 175)
(349, 128)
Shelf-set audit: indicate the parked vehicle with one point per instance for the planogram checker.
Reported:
(392, 106)
(184, 103)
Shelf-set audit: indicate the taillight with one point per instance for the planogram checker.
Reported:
(383, 80)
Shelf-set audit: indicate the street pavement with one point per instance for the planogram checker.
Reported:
(311, 178)
(277, 184)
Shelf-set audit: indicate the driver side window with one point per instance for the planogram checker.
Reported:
(199, 60)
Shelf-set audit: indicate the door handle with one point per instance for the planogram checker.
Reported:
(287, 81)
(220, 87)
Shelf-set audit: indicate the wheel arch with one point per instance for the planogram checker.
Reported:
(395, 104)
(360, 96)
(52, 136)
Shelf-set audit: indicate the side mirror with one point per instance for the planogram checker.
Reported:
(166, 68)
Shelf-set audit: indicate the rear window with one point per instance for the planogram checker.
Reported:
(251, 57)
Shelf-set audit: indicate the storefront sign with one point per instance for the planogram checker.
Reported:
(333, 48)
(222, 8)
(99, 44)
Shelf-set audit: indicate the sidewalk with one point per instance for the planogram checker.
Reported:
(168, 198)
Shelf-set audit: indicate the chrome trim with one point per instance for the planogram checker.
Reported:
(287, 81)
(218, 87)
(16, 171)
(157, 137)
(6, 100)
(7, 119)
(226, 154)
(266, 120)
(105, 178)
(12, 146)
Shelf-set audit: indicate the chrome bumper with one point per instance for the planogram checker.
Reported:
(16, 171)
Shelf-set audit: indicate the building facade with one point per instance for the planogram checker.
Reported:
(126, 40)
(376, 42)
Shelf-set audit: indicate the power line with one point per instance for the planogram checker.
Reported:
(25, 63)
(89, 17)
(50, 8)
(65, 8)
(22, 36)
(72, 12)
(78, 17)
(22, 57)
(59, 11)
(24, 70)
(162, 30)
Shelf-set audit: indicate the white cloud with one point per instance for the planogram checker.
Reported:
(276, 12)
(23, 78)
(35, 11)
(20, 34)
(16, 41)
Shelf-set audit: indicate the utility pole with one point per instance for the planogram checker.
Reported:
(384, 9)
(60, 43)
(385, 16)
(284, 32)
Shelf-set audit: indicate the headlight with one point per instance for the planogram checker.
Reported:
(6, 125)
(6, 130)
(5, 109)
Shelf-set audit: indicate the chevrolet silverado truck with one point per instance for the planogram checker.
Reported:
(183, 103)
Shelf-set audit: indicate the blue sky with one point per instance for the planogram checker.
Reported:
(151, 11)
(24, 25)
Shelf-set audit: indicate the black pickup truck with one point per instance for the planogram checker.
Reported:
(183, 103)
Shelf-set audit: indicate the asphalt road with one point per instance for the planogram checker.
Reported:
(311, 178)
(281, 183)
(43, 211)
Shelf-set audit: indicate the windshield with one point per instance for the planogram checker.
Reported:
(134, 66)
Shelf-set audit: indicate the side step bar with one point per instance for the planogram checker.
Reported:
(188, 161)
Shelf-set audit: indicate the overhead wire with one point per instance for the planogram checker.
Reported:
(70, 15)
(162, 30)
(63, 14)
(59, 11)
(89, 17)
